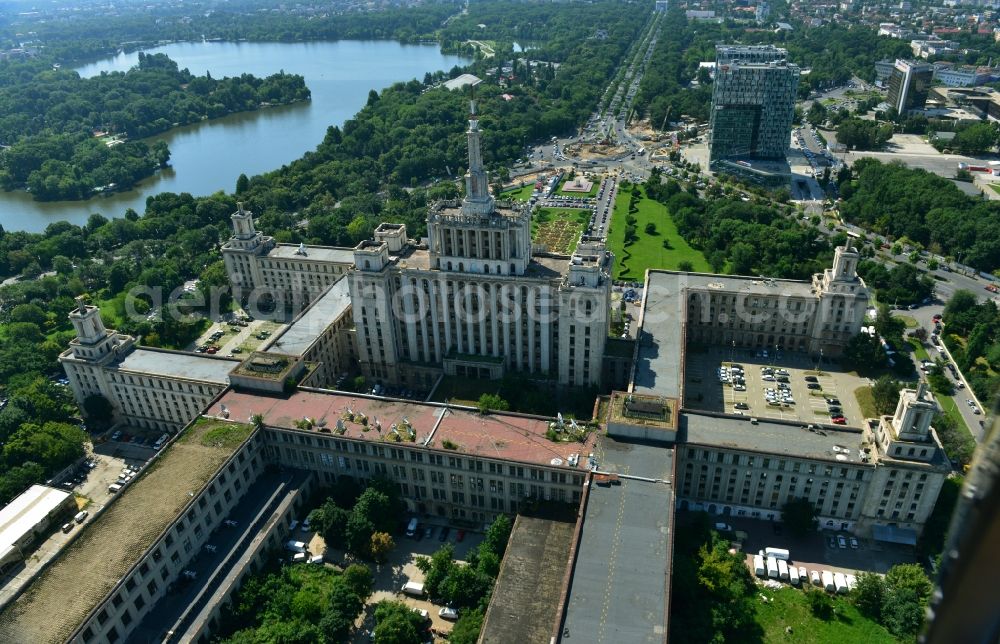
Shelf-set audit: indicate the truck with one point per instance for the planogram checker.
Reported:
(758, 566)
(840, 582)
(606, 480)
(828, 581)
(413, 589)
(777, 553)
(782, 570)
(295, 546)
(793, 574)
(772, 567)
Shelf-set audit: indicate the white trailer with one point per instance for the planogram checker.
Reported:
(777, 553)
(758, 566)
(782, 570)
(828, 581)
(793, 573)
(852, 581)
(772, 567)
(840, 582)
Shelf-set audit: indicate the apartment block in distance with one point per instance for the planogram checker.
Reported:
(753, 100)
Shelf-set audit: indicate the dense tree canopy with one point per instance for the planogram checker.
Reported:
(898, 201)
(299, 603)
(863, 134)
(744, 238)
(972, 334)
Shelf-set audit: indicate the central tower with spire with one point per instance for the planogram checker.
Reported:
(478, 200)
(479, 234)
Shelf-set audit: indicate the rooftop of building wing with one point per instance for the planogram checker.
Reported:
(85, 572)
(178, 365)
(435, 426)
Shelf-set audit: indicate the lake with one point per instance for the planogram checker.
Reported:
(209, 156)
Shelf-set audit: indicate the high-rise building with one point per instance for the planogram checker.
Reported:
(753, 101)
(761, 12)
(475, 301)
(909, 84)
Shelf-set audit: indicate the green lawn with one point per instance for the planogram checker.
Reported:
(866, 401)
(950, 409)
(648, 251)
(918, 349)
(570, 193)
(559, 229)
(789, 608)
(910, 322)
(520, 194)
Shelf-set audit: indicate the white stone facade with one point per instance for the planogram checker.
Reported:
(475, 301)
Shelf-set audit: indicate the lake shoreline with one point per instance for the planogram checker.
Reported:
(98, 194)
(209, 155)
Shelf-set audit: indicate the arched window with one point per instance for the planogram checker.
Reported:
(486, 268)
(461, 267)
(449, 266)
(368, 264)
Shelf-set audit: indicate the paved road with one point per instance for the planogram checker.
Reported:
(924, 317)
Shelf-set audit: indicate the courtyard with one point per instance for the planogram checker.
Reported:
(704, 391)
(401, 567)
(559, 230)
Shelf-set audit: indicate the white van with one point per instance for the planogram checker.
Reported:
(114, 488)
(80, 516)
(412, 588)
(411, 529)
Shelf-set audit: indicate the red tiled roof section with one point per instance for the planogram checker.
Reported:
(500, 436)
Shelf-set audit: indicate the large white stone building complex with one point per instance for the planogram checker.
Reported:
(471, 300)
(474, 300)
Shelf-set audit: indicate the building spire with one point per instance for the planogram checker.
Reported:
(478, 200)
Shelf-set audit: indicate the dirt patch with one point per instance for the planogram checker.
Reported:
(594, 151)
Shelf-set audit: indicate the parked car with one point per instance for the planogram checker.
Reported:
(853, 542)
(841, 541)
(444, 534)
(448, 613)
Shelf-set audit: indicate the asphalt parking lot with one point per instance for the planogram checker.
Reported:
(815, 551)
(704, 391)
